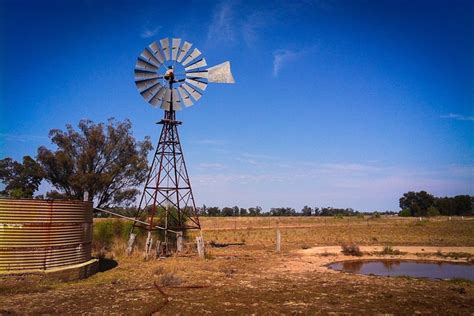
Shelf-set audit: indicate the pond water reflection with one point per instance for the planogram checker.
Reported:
(422, 269)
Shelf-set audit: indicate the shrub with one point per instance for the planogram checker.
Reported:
(405, 213)
(388, 250)
(158, 271)
(375, 215)
(103, 235)
(432, 211)
(110, 232)
(351, 250)
(170, 279)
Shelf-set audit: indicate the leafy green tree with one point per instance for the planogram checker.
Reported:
(213, 211)
(446, 206)
(317, 211)
(405, 212)
(307, 211)
(227, 211)
(255, 211)
(243, 212)
(104, 160)
(417, 202)
(236, 210)
(432, 211)
(282, 211)
(21, 180)
(464, 205)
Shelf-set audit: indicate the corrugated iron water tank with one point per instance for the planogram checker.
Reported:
(46, 235)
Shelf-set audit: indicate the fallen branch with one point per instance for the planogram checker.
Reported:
(222, 245)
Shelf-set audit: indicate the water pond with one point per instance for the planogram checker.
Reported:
(419, 269)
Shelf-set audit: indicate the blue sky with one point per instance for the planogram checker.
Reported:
(336, 103)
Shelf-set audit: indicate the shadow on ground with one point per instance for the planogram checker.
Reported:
(107, 264)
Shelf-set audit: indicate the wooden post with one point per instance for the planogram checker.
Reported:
(149, 242)
(179, 242)
(158, 249)
(278, 240)
(85, 197)
(200, 246)
(131, 243)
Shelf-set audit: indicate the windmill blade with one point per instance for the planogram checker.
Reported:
(220, 73)
(175, 42)
(183, 51)
(157, 100)
(171, 96)
(195, 53)
(201, 85)
(193, 92)
(176, 100)
(142, 75)
(146, 55)
(197, 74)
(165, 45)
(145, 84)
(166, 105)
(145, 65)
(185, 97)
(151, 92)
(156, 52)
(200, 63)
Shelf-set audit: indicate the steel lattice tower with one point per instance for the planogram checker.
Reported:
(168, 184)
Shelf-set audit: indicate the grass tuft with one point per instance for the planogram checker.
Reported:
(170, 279)
(388, 250)
(351, 250)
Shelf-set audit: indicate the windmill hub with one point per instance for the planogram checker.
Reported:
(168, 75)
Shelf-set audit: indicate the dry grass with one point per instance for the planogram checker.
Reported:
(245, 279)
(259, 232)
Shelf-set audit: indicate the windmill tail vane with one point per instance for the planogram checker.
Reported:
(170, 74)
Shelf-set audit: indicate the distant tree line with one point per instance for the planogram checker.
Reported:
(283, 211)
(425, 204)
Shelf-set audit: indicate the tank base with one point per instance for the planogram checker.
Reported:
(66, 273)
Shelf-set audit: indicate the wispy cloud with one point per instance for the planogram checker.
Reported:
(222, 24)
(253, 24)
(232, 23)
(210, 141)
(348, 167)
(23, 138)
(150, 32)
(211, 165)
(458, 117)
(282, 57)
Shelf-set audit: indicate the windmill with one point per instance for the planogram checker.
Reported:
(169, 75)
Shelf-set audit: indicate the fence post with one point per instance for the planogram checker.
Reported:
(131, 243)
(200, 246)
(278, 240)
(149, 242)
(179, 241)
(158, 249)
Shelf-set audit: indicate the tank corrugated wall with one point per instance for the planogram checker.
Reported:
(44, 234)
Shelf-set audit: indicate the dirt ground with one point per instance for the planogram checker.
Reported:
(253, 279)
